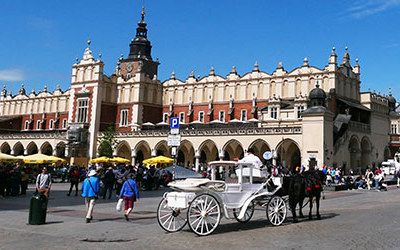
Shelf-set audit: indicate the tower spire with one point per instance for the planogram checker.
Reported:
(143, 14)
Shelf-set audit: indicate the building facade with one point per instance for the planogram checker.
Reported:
(302, 114)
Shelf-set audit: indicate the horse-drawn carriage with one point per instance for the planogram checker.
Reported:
(200, 203)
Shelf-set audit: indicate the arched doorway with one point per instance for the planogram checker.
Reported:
(124, 150)
(208, 151)
(31, 148)
(143, 151)
(18, 149)
(233, 150)
(46, 149)
(60, 150)
(259, 147)
(354, 150)
(366, 150)
(185, 155)
(5, 148)
(288, 154)
(162, 149)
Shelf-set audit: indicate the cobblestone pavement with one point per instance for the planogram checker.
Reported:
(357, 219)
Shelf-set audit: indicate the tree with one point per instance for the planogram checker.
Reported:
(107, 142)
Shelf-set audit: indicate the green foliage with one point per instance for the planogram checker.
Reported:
(107, 142)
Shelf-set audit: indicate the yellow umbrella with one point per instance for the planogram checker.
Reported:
(41, 159)
(120, 160)
(158, 160)
(102, 159)
(6, 157)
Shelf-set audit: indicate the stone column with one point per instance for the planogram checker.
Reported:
(197, 161)
(133, 157)
(12, 152)
(25, 151)
(221, 154)
(153, 152)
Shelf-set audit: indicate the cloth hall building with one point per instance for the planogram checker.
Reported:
(305, 113)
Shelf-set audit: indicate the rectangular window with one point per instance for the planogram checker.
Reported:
(274, 113)
(64, 123)
(26, 125)
(38, 125)
(243, 115)
(82, 116)
(51, 124)
(201, 116)
(165, 117)
(124, 118)
(222, 116)
(182, 117)
(394, 129)
(300, 109)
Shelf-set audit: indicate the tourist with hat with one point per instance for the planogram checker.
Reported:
(90, 190)
(129, 192)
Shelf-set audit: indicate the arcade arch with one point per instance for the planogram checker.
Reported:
(46, 149)
(18, 149)
(124, 150)
(354, 149)
(31, 148)
(162, 148)
(366, 150)
(208, 151)
(233, 149)
(185, 156)
(259, 146)
(60, 149)
(288, 154)
(5, 148)
(143, 151)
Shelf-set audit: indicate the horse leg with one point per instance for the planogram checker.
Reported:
(317, 200)
(301, 215)
(310, 203)
(292, 205)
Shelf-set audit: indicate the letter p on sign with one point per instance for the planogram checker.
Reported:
(174, 123)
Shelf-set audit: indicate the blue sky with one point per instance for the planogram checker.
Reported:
(41, 39)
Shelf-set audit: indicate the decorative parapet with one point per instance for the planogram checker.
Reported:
(214, 132)
(61, 135)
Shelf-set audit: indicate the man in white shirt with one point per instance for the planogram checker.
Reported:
(43, 182)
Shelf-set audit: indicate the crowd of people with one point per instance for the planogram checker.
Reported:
(14, 179)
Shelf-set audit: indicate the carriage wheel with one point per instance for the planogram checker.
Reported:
(204, 214)
(170, 219)
(247, 215)
(276, 210)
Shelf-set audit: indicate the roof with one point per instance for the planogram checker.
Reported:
(354, 104)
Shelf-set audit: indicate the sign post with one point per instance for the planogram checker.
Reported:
(174, 140)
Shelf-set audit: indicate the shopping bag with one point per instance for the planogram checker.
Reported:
(119, 205)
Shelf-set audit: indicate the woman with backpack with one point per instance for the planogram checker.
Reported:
(129, 192)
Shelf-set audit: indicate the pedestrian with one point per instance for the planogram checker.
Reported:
(398, 174)
(24, 181)
(129, 192)
(90, 190)
(74, 177)
(43, 182)
(369, 177)
(109, 182)
(2, 181)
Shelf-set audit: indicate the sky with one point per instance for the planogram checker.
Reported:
(40, 39)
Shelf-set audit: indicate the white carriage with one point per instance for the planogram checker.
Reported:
(200, 203)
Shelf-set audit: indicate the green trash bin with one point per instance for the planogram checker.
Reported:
(38, 209)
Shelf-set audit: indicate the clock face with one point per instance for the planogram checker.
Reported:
(129, 67)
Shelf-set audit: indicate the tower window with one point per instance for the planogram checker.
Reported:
(82, 115)
(64, 123)
(274, 112)
(182, 117)
(201, 116)
(222, 116)
(165, 117)
(26, 125)
(51, 124)
(123, 118)
(243, 115)
(300, 109)
(38, 125)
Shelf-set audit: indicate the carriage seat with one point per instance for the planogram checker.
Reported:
(193, 184)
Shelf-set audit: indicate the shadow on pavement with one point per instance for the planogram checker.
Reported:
(255, 224)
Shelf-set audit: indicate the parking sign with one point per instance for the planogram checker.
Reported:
(174, 123)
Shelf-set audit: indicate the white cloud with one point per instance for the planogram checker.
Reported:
(366, 8)
(12, 75)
